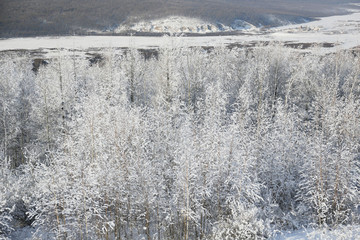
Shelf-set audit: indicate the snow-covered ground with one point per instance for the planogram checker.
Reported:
(178, 24)
(25, 233)
(343, 31)
(342, 233)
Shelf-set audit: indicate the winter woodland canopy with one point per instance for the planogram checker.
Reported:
(187, 144)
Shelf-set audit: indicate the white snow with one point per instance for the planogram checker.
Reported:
(23, 233)
(341, 233)
(342, 30)
(179, 24)
(174, 24)
(86, 42)
(243, 25)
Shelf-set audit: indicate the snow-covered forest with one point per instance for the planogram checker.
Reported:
(187, 144)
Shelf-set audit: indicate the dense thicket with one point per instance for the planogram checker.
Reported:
(226, 144)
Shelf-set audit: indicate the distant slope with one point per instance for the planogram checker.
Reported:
(44, 17)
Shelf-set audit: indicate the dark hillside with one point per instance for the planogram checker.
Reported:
(44, 17)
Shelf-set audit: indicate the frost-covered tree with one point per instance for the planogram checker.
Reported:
(5, 196)
(330, 175)
(281, 153)
(193, 143)
(10, 92)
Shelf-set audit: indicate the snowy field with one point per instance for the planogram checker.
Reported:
(344, 233)
(342, 31)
